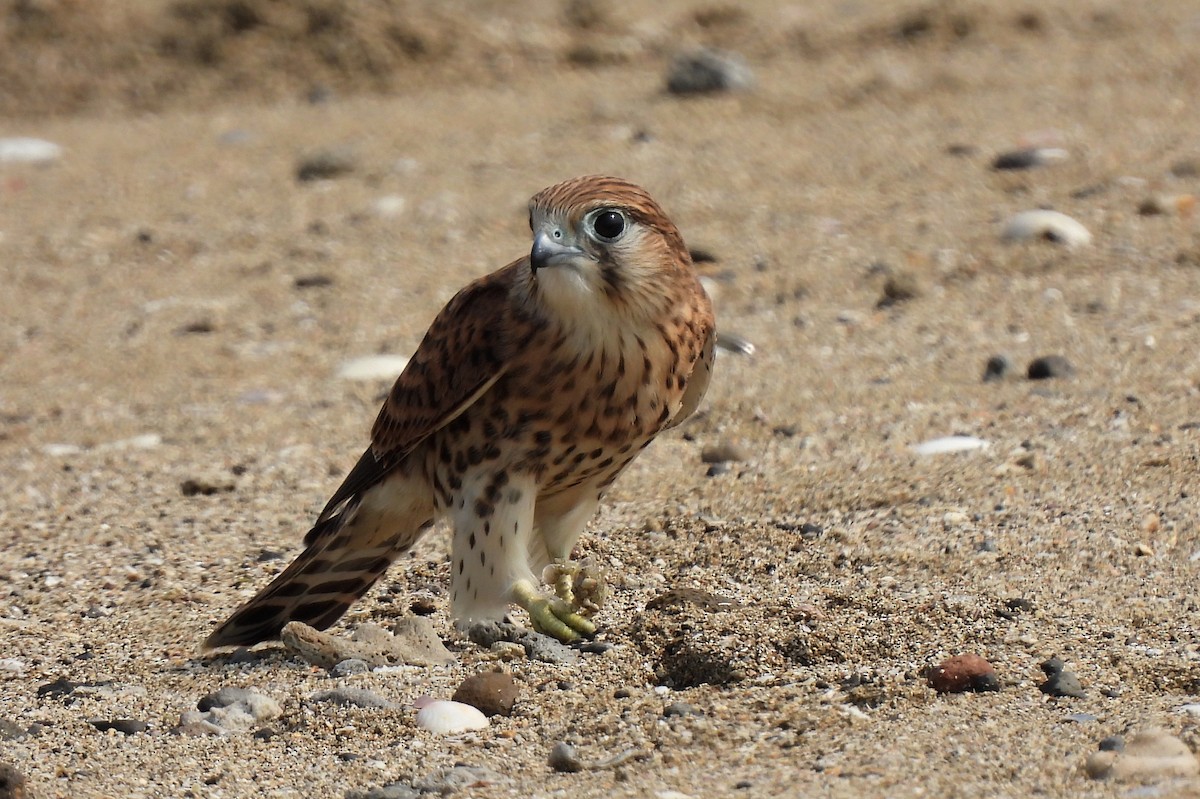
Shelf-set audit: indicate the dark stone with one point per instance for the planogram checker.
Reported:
(996, 368)
(123, 726)
(494, 693)
(708, 71)
(1052, 666)
(12, 783)
(1049, 366)
(1063, 683)
(1113, 743)
(1017, 159)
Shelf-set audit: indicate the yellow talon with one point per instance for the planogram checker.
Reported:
(551, 616)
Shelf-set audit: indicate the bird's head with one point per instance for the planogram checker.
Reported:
(602, 237)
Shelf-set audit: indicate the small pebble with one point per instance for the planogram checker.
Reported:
(1148, 755)
(1028, 157)
(1052, 666)
(206, 486)
(537, 646)
(348, 667)
(1113, 743)
(676, 709)
(1048, 226)
(123, 726)
(1049, 366)
(494, 693)
(352, 697)
(707, 71)
(460, 777)
(443, 717)
(966, 672)
(1063, 683)
(718, 469)
(723, 452)
(232, 710)
(1081, 718)
(564, 759)
(12, 783)
(899, 287)
(996, 368)
(325, 164)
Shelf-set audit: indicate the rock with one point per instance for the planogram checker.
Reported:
(230, 710)
(1049, 366)
(677, 709)
(1113, 743)
(444, 717)
(1028, 157)
(1181, 204)
(10, 730)
(1148, 755)
(718, 469)
(1048, 226)
(12, 783)
(564, 759)
(326, 164)
(395, 790)
(537, 646)
(123, 726)
(207, 485)
(373, 367)
(24, 150)
(460, 777)
(966, 672)
(414, 643)
(899, 287)
(706, 71)
(1063, 683)
(996, 368)
(352, 697)
(316, 281)
(722, 452)
(949, 444)
(494, 693)
(350, 666)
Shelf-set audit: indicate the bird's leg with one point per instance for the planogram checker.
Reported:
(551, 615)
(580, 584)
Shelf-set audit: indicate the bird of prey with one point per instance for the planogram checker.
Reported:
(532, 390)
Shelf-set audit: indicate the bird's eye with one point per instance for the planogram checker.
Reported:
(608, 225)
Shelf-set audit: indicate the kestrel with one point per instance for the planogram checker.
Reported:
(532, 390)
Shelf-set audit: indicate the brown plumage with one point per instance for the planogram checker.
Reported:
(533, 388)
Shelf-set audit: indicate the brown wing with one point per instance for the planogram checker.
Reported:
(697, 381)
(462, 355)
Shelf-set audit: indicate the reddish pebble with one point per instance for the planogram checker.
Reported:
(963, 673)
(493, 693)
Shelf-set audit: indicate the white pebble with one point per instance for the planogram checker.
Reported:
(948, 444)
(389, 206)
(1048, 225)
(1192, 709)
(373, 367)
(28, 151)
(444, 717)
(12, 666)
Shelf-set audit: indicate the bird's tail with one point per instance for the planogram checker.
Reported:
(347, 553)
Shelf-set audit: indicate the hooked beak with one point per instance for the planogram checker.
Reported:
(548, 252)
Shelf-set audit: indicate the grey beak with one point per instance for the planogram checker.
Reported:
(548, 252)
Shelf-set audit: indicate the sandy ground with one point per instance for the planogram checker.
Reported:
(176, 305)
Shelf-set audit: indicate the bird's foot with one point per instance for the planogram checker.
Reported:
(551, 615)
(580, 584)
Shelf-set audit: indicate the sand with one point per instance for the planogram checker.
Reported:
(176, 306)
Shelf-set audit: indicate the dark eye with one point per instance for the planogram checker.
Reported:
(609, 225)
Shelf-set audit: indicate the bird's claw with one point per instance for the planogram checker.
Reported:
(550, 615)
(580, 584)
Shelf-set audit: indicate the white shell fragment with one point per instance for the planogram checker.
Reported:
(444, 717)
(948, 444)
(373, 367)
(28, 151)
(1048, 225)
